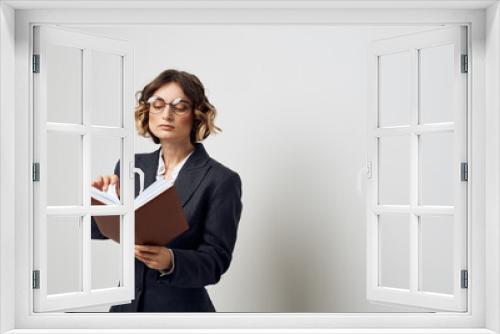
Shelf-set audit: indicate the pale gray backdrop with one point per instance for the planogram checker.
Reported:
(291, 101)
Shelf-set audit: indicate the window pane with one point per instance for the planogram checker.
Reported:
(436, 84)
(64, 84)
(106, 89)
(436, 233)
(106, 257)
(64, 254)
(437, 168)
(394, 170)
(64, 168)
(394, 89)
(105, 152)
(394, 251)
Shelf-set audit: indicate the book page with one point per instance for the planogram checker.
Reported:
(110, 198)
(152, 191)
(107, 197)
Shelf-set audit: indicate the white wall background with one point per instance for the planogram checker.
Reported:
(292, 106)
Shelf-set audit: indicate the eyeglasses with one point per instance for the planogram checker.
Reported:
(157, 105)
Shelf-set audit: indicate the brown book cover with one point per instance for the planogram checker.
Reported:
(157, 222)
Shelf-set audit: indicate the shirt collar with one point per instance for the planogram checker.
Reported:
(161, 165)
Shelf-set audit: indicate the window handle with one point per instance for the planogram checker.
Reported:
(141, 178)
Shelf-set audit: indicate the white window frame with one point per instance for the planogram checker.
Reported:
(483, 314)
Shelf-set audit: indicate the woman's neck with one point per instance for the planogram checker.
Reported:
(175, 153)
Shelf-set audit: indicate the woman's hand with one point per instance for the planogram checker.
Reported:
(102, 183)
(155, 257)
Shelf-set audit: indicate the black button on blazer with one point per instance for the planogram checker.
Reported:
(210, 194)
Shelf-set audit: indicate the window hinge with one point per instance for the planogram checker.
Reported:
(464, 171)
(36, 63)
(36, 279)
(36, 171)
(465, 64)
(464, 279)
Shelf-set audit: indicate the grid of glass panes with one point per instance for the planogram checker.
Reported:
(417, 169)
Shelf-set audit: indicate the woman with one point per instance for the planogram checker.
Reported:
(174, 111)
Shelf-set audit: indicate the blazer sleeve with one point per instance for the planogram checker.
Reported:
(206, 264)
(95, 233)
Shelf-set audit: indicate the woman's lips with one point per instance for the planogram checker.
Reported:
(166, 127)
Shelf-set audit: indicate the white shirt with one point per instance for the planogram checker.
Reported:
(176, 170)
(159, 175)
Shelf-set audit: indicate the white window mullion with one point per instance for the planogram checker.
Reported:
(419, 210)
(413, 182)
(87, 164)
(81, 211)
(128, 225)
(83, 129)
(372, 248)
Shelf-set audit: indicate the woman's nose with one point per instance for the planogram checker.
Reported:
(165, 113)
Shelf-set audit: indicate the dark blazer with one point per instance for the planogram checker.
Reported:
(210, 194)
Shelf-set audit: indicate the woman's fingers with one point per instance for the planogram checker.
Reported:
(155, 257)
(150, 260)
(116, 181)
(143, 258)
(98, 183)
(148, 249)
(103, 182)
(147, 254)
(107, 181)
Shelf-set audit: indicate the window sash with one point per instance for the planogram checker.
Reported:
(411, 44)
(45, 37)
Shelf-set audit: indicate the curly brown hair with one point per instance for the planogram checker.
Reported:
(204, 111)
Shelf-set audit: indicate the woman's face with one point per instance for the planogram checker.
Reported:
(181, 122)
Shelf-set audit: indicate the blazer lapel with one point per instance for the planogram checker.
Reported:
(190, 175)
(150, 168)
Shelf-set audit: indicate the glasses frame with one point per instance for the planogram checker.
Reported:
(172, 105)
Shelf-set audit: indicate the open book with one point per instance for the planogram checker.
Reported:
(159, 215)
